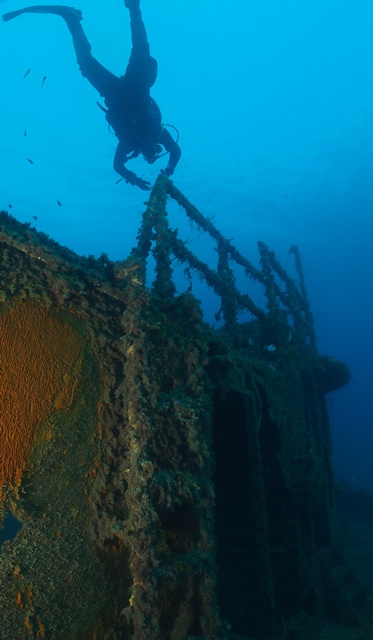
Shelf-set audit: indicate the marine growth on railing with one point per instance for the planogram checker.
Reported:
(286, 301)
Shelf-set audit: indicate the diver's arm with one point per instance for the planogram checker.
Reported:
(173, 148)
(120, 158)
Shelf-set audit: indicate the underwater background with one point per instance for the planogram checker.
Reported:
(274, 105)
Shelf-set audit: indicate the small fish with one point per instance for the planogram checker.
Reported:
(25, 133)
(10, 206)
(270, 348)
(43, 80)
(35, 217)
(30, 161)
(118, 181)
(27, 73)
(59, 204)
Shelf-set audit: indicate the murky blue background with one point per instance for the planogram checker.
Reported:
(274, 103)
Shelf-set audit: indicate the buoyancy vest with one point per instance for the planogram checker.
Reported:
(135, 122)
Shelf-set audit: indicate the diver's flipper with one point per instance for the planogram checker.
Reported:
(12, 14)
(131, 4)
(60, 10)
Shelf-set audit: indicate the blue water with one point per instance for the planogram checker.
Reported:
(274, 103)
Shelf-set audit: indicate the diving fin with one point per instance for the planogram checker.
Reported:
(60, 10)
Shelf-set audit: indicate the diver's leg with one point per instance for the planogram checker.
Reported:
(138, 31)
(102, 79)
(142, 67)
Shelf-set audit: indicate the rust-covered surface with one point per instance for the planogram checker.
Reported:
(40, 366)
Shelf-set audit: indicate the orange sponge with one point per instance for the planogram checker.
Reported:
(40, 359)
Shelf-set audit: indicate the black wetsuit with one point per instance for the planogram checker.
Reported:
(133, 115)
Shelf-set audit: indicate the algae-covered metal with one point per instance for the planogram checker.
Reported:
(170, 481)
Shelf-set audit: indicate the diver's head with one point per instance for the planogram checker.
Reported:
(150, 151)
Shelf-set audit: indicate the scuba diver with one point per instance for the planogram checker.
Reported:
(130, 111)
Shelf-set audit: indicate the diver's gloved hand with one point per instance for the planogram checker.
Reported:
(143, 184)
(132, 178)
(167, 172)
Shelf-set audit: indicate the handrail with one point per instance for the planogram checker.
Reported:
(287, 301)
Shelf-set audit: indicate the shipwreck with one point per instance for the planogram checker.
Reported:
(163, 479)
